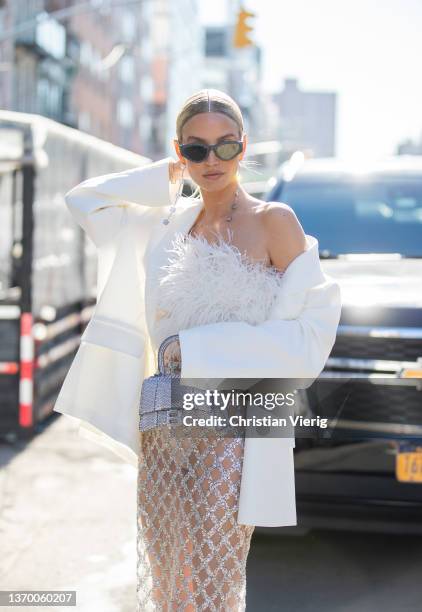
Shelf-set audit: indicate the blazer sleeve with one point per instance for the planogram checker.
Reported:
(277, 348)
(97, 204)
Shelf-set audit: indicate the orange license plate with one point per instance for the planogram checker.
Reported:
(409, 462)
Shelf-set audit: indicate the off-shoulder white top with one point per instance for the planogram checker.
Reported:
(208, 283)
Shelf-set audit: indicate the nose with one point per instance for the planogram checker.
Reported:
(212, 157)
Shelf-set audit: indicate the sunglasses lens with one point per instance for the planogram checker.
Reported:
(194, 152)
(228, 150)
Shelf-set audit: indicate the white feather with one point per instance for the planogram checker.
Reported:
(208, 283)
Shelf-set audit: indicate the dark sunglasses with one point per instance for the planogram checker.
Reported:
(224, 150)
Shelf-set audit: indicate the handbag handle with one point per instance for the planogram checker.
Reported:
(161, 350)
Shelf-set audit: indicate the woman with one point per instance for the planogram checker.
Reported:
(240, 288)
(202, 538)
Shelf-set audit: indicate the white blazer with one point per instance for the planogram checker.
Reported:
(122, 213)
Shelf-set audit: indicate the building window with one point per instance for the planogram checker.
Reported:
(51, 36)
(128, 27)
(145, 128)
(127, 69)
(97, 66)
(84, 121)
(125, 114)
(215, 43)
(49, 96)
(146, 88)
(146, 48)
(85, 56)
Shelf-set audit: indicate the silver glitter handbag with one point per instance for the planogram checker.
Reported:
(162, 395)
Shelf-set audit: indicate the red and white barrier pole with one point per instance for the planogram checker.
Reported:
(26, 382)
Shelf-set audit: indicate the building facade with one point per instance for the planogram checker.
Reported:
(119, 73)
(36, 69)
(235, 71)
(307, 120)
(6, 56)
(176, 68)
(106, 92)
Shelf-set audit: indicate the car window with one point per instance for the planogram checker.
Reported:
(372, 216)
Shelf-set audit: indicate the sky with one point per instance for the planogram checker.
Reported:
(367, 51)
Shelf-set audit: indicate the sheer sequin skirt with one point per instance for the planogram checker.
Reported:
(191, 552)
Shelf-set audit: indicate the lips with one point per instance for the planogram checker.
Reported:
(213, 174)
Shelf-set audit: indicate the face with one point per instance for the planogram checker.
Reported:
(210, 128)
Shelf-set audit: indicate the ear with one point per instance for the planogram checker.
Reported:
(245, 142)
(177, 149)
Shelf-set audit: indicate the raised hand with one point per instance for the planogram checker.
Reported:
(176, 169)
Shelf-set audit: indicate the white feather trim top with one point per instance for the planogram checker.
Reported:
(208, 283)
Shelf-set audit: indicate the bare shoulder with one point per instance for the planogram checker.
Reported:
(284, 234)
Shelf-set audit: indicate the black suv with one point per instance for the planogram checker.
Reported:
(366, 472)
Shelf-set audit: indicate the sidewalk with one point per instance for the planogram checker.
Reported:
(68, 520)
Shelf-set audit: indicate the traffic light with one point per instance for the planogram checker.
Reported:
(242, 29)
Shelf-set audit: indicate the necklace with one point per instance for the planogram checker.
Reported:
(233, 206)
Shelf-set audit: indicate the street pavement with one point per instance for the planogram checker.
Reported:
(68, 520)
(335, 571)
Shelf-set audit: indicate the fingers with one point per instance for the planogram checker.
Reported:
(173, 349)
(172, 171)
(182, 171)
(186, 174)
(172, 355)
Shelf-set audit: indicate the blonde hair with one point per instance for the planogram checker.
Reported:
(208, 101)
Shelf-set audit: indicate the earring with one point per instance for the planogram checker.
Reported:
(179, 193)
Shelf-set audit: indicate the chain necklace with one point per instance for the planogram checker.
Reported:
(233, 206)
